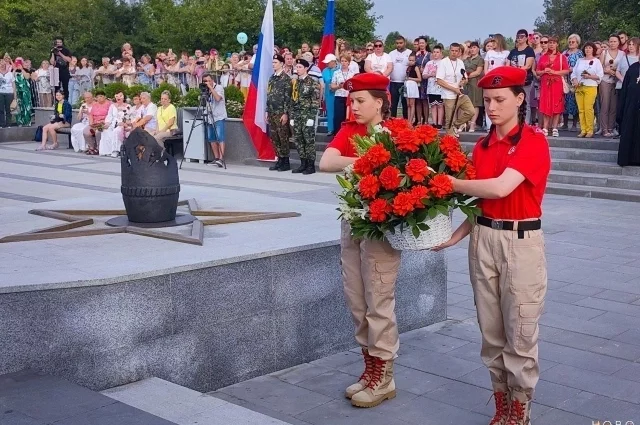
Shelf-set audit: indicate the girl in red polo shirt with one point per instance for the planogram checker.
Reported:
(507, 263)
(369, 267)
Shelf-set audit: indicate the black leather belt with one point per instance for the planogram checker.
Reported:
(521, 226)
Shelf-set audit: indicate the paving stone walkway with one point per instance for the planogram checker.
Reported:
(590, 348)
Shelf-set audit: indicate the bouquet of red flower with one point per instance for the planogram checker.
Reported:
(398, 187)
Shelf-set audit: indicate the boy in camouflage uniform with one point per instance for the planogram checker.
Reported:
(305, 104)
(278, 107)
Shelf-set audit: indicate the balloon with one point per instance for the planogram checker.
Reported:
(242, 38)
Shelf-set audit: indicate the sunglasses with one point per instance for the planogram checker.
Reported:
(377, 45)
(544, 42)
(521, 36)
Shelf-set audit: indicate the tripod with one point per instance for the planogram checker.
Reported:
(204, 113)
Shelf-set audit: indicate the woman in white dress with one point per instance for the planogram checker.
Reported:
(118, 118)
(77, 138)
(43, 82)
(411, 87)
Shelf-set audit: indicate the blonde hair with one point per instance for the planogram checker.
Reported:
(166, 93)
(346, 56)
(501, 43)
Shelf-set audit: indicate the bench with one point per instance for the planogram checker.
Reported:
(67, 131)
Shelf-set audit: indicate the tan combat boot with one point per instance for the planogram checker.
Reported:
(381, 387)
(519, 413)
(502, 408)
(364, 378)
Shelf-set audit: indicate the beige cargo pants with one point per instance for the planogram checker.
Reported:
(369, 272)
(509, 279)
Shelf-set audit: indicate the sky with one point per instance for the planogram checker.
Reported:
(456, 20)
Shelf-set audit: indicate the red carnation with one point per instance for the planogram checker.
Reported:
(403, 204)
(378, 210)
(390, 177)
(369, 186)
(440, 186)
(378, 155)
(396, 125)
(449, 144)
(417, 170)
(470, 172)
(362, 166)
(407, 141)
(418, 193)
(456, 160)
(426, 133)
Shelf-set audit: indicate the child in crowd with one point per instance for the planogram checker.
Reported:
(411, 86)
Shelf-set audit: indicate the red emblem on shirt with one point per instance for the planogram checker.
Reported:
(348, 86)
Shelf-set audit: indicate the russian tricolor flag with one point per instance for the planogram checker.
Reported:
(329, 35)
(256, 104)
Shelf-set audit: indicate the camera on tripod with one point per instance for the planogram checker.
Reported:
(204, 88)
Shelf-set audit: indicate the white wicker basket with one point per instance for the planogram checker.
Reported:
(440, 231)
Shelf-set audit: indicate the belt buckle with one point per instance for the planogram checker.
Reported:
(497, 224)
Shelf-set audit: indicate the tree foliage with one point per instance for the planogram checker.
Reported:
(97, 28)
(591, 19)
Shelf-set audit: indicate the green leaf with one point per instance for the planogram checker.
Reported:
(442, 209)
(344, 183)
(423, 226)
(415, 231)
(421, 215)
(442, 167)
(432, 213)
(411, 221)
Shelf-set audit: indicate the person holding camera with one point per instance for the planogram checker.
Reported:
(214, 121)
(60, 58)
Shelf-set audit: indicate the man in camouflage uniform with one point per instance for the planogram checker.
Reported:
(278, 107)
(305, 103)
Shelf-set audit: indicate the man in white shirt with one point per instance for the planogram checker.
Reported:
(379, 61)
(451, 76)
(400, 61)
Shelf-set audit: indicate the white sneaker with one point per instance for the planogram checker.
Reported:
(219, 163)
(114, 154)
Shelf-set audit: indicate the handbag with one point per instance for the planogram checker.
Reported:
(14, 106)
(566, 87)
(38, 136)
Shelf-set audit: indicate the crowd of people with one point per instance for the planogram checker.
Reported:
(103, 125)
(575, 89)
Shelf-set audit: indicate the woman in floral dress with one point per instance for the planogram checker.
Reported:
(23, 94)
(573, 55)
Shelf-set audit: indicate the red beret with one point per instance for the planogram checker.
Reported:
(503, 76)
(366, 81)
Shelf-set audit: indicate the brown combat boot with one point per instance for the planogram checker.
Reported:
(381, 387)
(364, 378)
(519, 413)
(502, 408)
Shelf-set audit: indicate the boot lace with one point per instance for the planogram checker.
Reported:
(502, 408)
(368, 366)
(516, 415)
(377, 370)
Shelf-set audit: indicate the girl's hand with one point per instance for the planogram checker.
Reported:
(448, 244)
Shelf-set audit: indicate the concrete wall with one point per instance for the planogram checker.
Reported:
(207, 328)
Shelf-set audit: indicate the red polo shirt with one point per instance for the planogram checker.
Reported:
(530, 157)
(342, 139)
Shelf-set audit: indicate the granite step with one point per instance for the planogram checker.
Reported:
(595, 167)
(17, 134)
(586, 154)
(34, 398)
(184, 406)
(572, 142)
(594, 192)
(595, 180)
